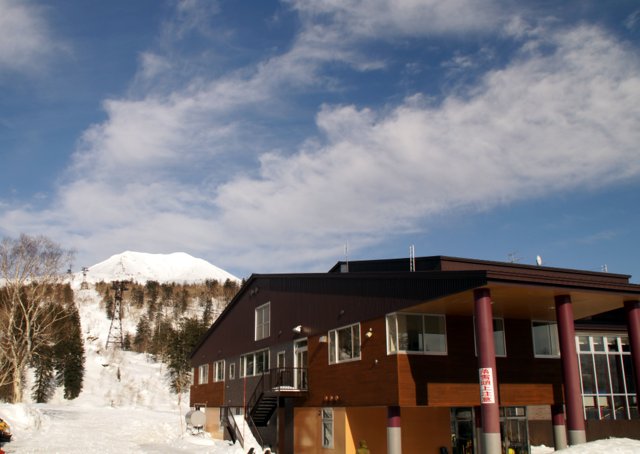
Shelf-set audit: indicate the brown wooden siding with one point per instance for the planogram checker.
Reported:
(452, 379)
(357, 383)
(211, 394)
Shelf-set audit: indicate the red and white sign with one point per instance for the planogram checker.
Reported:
(487, 395)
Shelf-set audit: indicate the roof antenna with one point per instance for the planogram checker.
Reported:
(538, 260)
(412, 258)
(344, 268)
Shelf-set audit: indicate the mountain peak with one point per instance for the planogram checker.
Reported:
(178, 267)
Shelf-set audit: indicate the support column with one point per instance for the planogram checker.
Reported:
(633, 326)
(394, 430)
(478, 423)
(559, 428)
(570, 370)
(489, 406)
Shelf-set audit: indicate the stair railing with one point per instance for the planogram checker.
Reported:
(231, 424)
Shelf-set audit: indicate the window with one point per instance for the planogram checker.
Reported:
(254, 363)
(232, 371)
(545, 339)
(218, 372)
(203, 374)
(263, 319)
(280, 360)
(416, 333)
(498, 337)
(344, 344)
(608, 388)
(327, 427)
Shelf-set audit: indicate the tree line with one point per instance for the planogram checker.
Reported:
(39, 321)
(171, 318)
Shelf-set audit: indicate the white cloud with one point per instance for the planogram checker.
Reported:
(388, 18)
(562, 115)
(25, 39)
(550, 121)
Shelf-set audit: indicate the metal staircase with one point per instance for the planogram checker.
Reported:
(263, 402)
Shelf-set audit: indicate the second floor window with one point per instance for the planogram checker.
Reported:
(218, 370)
(545, 339)
(416, 333)
(254, 363)
(263, 321)
(203, 374)
(344, 344)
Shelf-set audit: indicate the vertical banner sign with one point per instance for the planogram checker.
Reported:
(487, 395)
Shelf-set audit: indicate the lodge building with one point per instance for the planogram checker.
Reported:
(438, 355)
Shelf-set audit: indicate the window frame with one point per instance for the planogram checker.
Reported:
(504, 336)
(218, 371)
(394, 317)
(327, 422)
(254, 356)
(262, 327)
(333, 344)
(550, 340)
(203, 374)
(232, 371)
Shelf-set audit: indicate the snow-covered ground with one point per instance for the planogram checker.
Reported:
(126, 407)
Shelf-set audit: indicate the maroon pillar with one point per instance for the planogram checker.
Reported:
(394, 430)
(633, 324)
(570, 370)
(559, 429)
(489, 406)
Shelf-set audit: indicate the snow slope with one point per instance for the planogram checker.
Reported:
(141, 267)
(125, 405)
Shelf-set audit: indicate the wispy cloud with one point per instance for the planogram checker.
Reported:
(161, 172)
(25, 38)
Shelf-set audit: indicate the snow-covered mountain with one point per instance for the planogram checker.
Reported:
(178, 267)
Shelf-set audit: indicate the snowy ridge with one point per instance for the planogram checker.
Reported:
(178, 267)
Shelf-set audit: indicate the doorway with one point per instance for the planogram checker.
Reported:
(300, 358)
(462, 430)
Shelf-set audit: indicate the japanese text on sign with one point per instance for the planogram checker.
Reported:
(487, 396)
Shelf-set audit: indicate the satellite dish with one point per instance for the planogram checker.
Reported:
(538, 260)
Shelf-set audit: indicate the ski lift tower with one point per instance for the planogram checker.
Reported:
(84, 285)
(115, 329)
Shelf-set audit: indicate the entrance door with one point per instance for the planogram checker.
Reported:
(300, 357)
(462, 430)
(514, 430)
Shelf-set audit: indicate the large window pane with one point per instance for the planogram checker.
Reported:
(602, 374)
(628, 374)
(590, 408)
(617, 378)
(545, 338)
(498, 337)
(410, 332)
(392, 334)
(620, 407)
(588, 376)
(435, 334)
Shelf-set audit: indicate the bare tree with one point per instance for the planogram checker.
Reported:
(30, 268)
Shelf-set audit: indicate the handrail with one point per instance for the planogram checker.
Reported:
(290, 378)
(231, 421)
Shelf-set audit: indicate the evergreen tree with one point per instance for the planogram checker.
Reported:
(70, 356)
(45, 383)
(185, 339)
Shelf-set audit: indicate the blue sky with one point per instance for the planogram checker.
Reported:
(264, 136)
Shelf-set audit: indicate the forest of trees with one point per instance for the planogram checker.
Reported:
(40, 326)
(39, 321)
(171, 318)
